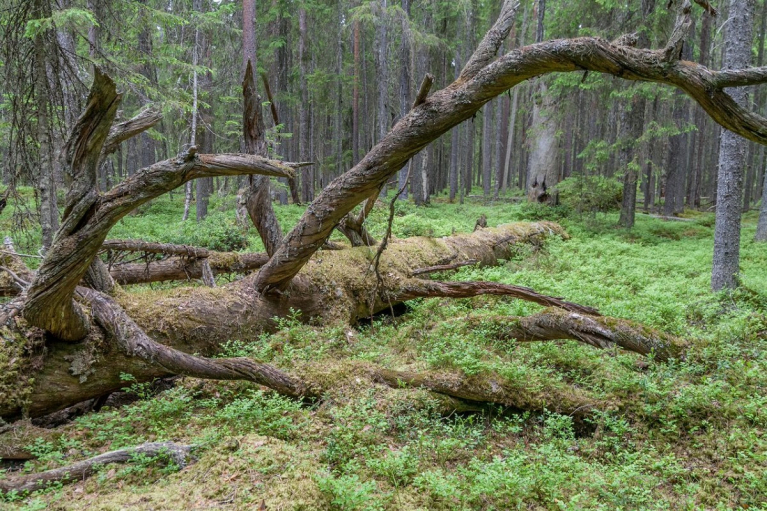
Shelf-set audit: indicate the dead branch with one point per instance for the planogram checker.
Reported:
(88, 216)
(597, 331)
(182, 268)
(123, 131)
(433, 289)
(82, 470)
(133, 342)
(443, 267)
(155, 248)
(423, 90)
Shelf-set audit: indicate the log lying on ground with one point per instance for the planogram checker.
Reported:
(491, 390)
(182, 268)
(597, 331)
(82, 470)
(335, 287)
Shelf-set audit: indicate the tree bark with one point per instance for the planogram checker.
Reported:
(724, 274)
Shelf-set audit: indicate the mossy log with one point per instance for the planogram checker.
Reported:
(150, 334)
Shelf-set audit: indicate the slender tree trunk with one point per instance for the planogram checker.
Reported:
(195, 107)
(725, 270)
(307, 174)
(356, 97)
(487, 147)
(404, 86)
(49, 213)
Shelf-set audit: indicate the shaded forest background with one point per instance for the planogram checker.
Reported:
(341, 73)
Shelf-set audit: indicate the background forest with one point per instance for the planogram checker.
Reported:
(628, 169)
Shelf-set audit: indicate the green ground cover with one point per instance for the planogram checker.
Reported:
(689, 434)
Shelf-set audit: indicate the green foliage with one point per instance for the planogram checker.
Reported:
(590, 194)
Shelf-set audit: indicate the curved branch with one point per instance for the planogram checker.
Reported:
(431, 289)
(597, 331)
(86, 468)
(459, 101)
(132, 340)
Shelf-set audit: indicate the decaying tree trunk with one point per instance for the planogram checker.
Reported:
(67, 343)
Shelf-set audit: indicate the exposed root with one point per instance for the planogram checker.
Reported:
(79, 471)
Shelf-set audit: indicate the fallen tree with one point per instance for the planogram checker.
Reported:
(69, 335)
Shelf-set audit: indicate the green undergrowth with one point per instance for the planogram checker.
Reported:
(688, 434)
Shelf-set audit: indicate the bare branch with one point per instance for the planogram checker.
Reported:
(86, 468)
(430, 289)
(739, 77)
(121, 132)
(488, 47)
(132, 341)
(423, 90)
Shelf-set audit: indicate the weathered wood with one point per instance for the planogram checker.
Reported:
(88, 215)
(182, 268)
(443, 267)
(119, 133)
(334, 288)
(82, 470)
(433, 289)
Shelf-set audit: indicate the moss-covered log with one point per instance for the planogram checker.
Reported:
(336, 286)
(148, 334)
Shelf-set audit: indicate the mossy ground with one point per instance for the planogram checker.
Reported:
(683, 435)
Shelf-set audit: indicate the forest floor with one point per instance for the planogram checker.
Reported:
(686, 434)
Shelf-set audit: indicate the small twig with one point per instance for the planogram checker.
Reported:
(21, 255)
(443, 267)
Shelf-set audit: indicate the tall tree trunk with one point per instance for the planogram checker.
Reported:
(356, 96)
(404, 85)
(542, 171)
(487, 147)
(632, 124)
(382, 72)
(197, 6)
(49, 213)
(724, 274)
(307, 174)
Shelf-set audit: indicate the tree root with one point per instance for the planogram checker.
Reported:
(81, 470)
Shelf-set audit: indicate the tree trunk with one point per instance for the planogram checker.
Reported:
(543, 171)
(307, 175)
(49, 213)
(724, 274)
(335, 287)
(487, 147)
(761, 226)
